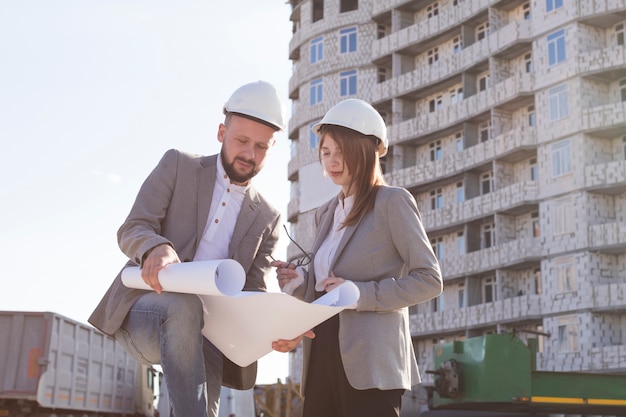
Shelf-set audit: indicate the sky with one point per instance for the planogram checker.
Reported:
(92, 93)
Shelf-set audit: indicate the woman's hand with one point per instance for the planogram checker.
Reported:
(285, 272)
(332, 282)
(283, 345)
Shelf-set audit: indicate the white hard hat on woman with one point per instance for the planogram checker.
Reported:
(360, 116)
(260, 101)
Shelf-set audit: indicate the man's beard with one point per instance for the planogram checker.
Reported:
(232, 173)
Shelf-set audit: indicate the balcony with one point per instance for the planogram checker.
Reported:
(608, 237)
(511, 310)
(513, 254)
(503, 92)
(607, 178)
(510, 146)
(607, 120)
(610, 297)
(508, 40)
(607, 64)
(409, 38)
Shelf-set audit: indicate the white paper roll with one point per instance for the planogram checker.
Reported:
(219, 277)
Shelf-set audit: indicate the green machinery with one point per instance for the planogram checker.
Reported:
(498, 373)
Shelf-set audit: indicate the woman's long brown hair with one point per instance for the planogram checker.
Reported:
(361, 160)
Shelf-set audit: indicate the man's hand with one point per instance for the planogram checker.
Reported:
(283, 345)
(158, 258)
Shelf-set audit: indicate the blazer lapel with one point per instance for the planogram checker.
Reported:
(206, 185)
(249, 211)
(345, 238)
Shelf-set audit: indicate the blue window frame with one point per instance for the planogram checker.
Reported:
(347, 83)
(317, 49)
(559, 108)
(553, 5)
(317, 87)
(347, 40)
(556, 47)
(314, 140)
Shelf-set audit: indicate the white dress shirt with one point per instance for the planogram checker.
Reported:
(326, 252)
(225, 207)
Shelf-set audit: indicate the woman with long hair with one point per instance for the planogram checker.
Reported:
(359, 362)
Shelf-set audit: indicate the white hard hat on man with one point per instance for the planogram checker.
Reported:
(259, 101)
(360, 116)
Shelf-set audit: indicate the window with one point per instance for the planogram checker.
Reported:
(534, 219)
(432, 10)
(458, 141)
(348, 5)
(558, 103)
(484, 131)
(435, 150)
(556, 47)
(347, 83)
(534, 173)
(561, 158)
(382, 74)
(622, 89)
(568, 338)
(433, 55)
(532, 119)
(314, 139)
(457, 2)
(537, 279)
(435, 104)
(482, 31)
(624, 145)
(461, 295)
(562, 218)
(489, 290)
(347, 40)
(316, 91)
(482, 82)
(317, 49)
(436, 199)
(460, 192)
(526, 10)
(437, 304)
(456, 44)
(566, 278)
(460, 243)
(528, 63)
(456, 95)
(381, 31)
(437, 245)
(486, 182)
(488, 236)
(318, 10)
(619, 34)
(553, 5)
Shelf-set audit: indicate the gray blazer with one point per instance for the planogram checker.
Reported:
(389, 258)
(172, 207)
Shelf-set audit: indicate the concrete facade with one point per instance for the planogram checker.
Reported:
(507, 122)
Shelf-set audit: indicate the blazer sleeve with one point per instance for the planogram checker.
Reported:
(423, 280)
(141, 230)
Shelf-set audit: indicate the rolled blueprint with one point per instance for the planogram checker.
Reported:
(243, 324)
(219, 277)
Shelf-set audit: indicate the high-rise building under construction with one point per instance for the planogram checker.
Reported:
(507, 122)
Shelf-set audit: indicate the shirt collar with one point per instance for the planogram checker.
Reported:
(223, 178)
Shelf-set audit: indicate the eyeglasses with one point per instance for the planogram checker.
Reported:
(303, 260)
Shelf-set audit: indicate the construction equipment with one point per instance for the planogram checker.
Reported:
(498, 373)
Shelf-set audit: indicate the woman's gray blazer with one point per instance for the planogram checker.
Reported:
(389, 258)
